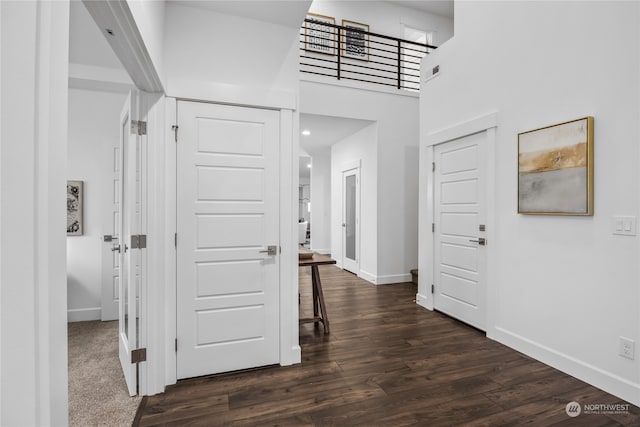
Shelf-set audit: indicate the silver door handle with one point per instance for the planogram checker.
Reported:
(271, 250)
(481, 241)
(115, 248)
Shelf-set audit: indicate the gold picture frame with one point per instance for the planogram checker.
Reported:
(555, 169)
(318, 36)
(354, 44)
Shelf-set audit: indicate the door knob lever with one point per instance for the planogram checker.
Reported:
(115, 248)
(481, 241)
(271, 250)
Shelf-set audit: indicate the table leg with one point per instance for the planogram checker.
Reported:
(317, 286)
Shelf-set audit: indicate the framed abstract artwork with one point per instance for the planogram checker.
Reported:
(555, 169)
(74, 208)
(355, 40)
(318, 36)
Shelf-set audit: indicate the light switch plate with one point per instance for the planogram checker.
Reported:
(624, 225)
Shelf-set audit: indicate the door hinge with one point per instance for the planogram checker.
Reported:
(433, 166)
(175, 240)
(433, 289)
(139, 355)
(433, 227)
(139, 241)
(176, 345)
(174, 128)
(138, 127)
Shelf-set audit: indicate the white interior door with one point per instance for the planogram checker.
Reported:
(459, 193)
(111, 228)
(129, 259)
(227, 217)
(351, 220)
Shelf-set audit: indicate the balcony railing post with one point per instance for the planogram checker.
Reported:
(338, 52)
(399, 64)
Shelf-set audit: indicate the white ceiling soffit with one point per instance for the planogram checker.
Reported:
(327, 130)
(290, 13)
(436, 7)
(87, 45)
(126, 41)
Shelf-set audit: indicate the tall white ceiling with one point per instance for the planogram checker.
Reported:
(436, 7)
(283, 12)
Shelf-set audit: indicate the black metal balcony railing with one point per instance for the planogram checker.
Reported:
(352, 53)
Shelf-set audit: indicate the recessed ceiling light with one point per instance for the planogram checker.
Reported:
(306, 132)
(309, 165)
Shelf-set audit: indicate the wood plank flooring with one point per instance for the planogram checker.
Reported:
(387, 362)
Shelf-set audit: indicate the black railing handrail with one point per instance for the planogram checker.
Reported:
(382, 52)
(382, 36)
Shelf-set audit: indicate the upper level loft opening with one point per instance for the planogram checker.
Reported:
(381, 47)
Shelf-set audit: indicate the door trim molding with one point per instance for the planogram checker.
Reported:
(486, 123)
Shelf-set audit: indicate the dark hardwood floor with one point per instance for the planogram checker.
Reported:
(387, 362)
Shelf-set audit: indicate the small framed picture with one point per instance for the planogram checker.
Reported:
(318, 36)
(74, 208)
(355, 40)
(555, 169)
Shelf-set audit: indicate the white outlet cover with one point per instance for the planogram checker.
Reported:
(627, 348)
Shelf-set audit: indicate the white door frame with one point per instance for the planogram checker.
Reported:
(285, 102)
(488, 123)
(350, 167)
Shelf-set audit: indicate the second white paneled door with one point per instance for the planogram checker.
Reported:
(460, 216)
(227, 238)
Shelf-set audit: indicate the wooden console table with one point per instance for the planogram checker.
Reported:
(319, 308)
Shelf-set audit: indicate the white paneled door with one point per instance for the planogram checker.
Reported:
(129, 259)
(111, 226)
(460, 248)
(227, 238)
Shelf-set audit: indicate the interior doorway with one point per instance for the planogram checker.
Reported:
(351, 220)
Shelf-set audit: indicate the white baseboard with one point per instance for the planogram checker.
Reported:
(294, 357)
(385, 280)
(368, 277)
(393, 278)
(84, 314)
(322, 251)
(588, 373)
(422, 301)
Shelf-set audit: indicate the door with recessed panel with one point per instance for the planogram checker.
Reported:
(459, 230)
(227, 238)
(351, 220)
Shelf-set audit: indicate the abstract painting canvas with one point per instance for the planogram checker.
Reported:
(555, 169)
(74, 208)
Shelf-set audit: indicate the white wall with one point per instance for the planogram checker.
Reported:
(386, 18)
(397, 168)
(204, 46)
(566, 289)
(93, 132)
(321, 201)
(34, 58)
(360, 147)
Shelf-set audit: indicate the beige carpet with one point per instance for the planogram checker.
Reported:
(97, 392)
